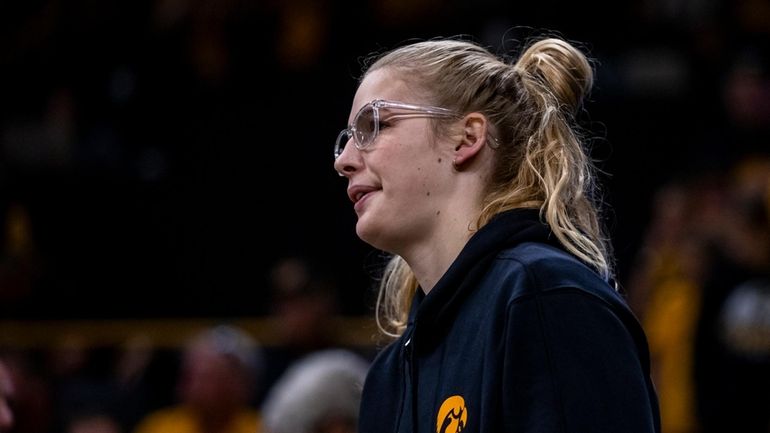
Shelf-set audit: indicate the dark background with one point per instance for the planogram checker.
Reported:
(158, 157)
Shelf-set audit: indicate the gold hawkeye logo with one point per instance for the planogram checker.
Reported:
(452, 415)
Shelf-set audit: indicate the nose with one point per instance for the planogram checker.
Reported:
(349, 160)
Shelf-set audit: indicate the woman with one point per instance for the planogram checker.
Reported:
(471, 172)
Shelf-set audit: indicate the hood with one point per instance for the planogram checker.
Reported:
(505, 230)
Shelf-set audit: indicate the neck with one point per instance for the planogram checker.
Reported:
(429, 260)
(432, 255)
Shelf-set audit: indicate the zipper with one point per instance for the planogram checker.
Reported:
(407, 380)
(413, 372)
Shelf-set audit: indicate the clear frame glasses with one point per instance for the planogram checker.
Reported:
(366, 125)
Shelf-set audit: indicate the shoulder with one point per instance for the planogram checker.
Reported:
(546, 285)
(532, 268)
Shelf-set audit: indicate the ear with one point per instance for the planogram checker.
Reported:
(474, 138)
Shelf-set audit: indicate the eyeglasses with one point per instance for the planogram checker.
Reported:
(366, 124)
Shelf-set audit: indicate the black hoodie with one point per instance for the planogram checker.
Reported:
(517, 336)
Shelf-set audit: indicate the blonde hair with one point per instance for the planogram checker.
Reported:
(539, 157)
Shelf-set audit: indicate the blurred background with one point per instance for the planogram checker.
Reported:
(166, 168)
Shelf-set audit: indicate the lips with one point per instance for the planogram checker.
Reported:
(357, 194)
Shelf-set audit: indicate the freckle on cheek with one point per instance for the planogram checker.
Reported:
(428, 193)
(438, 212)
(439, 160)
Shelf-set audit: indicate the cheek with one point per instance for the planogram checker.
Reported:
(419, 191)
(411, 168)
(413, 159)
(409, 183)
(425, 175)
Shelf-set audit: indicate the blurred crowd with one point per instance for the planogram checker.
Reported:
(219, 379)
(211, 389)
(701, 285)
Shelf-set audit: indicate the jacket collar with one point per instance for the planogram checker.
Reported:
(505, 230)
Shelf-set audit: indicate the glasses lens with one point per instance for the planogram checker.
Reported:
(366, 126)
(342, 140)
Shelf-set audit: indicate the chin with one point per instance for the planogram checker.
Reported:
(365, 232)
(371, 233)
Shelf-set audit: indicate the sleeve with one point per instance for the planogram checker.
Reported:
(573, 365)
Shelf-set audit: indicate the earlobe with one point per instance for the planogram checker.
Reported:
(473, 140)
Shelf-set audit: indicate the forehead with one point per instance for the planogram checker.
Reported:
(382, 83)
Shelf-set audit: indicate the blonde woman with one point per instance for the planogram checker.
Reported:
(470, 170)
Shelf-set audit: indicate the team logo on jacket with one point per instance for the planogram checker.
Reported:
(452, 415)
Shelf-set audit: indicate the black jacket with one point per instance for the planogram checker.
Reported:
(517, 336)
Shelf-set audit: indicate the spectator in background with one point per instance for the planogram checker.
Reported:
(304, 300)
(7, 392)
(665, 290)
(88, 380)
(135, 391)
(74, 377)
(220, 369)
(319, 393)
(32, 395)
(732, 340)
